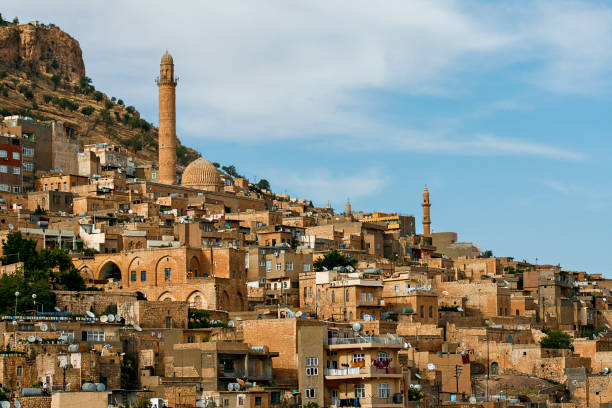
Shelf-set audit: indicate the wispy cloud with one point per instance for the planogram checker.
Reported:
(325, 185)
(287, 70)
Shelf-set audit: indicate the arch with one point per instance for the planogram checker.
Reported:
(194, 266)
(494, 368)
(510, 339)
(110, 270)
(197, 300)
(166, 296)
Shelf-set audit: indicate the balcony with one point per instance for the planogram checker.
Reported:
(363, 341)
(361, 372)
(368, 402)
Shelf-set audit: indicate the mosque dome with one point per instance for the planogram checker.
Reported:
(203, 175)
(167, 58)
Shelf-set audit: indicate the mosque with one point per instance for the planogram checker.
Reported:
(200, 174)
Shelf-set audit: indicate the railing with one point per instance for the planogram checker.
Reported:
(370, 370)
(364, 340)
(342, 371)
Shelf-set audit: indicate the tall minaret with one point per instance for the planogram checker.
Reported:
(167, 120)
(426, 217)
(347, 208)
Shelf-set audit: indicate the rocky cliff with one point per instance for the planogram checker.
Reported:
(42, 75)
(43, 49)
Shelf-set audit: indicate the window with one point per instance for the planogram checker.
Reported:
(359, 390)
(284, 284)
(168, 273)
(16, 156)
(16, 170)
(312, 361)
(333, 295)
(168, 322)
(226, 402)
(370, 297)
(68, 334)
(363, 296)
(133, 276)
(396, 288)
(361, 315)
(3, 169)
(19, 371)
(346, 295)
(143, 276)
(310, 393)
(310, 291)
(289, 266)
(3, 154)
(262, 262)
(383, 390)
(275, 398)
(357, 357)
(16, 189)
(94, 336)
(28, 151)
(306, 267)
(190, 339)
(305, 291)
(430, 311)
(422, 311)
(279, 266)
(257, 401)
(240, 400)
(326, 294)
(382, 356)
(312, 371)
(268, 266)
(65, 186)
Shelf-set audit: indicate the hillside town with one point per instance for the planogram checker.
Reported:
(149, 285)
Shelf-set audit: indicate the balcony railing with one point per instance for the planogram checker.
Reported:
(365, 371)
(364, 340)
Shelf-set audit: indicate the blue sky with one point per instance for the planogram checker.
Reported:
(501, 108)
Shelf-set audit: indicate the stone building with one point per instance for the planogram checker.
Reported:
(166, 82)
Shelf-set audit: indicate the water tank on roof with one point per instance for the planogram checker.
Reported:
(100, 387)
(88, 386)
(31, 392)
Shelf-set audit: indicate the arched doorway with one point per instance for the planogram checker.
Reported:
(494, 368)
(197, 301)
(110, 270)
(194, 267)
(166, 296)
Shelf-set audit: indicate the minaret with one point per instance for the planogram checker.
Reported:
(347, 208)
(426, 217)
(167, 120)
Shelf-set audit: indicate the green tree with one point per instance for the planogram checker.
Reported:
(56, 79)
(332, 259)
(231, 170)
(263, 184)
(486, 254)
(557, 339)
(130, 109)
(87, 110)
(106, 117)
(120, 102)
(28, 94)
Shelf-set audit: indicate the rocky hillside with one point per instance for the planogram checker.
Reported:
(42, 75)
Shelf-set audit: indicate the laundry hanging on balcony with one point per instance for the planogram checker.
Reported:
(381, 363)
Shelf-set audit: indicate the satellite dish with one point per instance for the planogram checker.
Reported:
(104, 318)
(357, 326)
(118, 318)
(57, 309)
(409, 345)
(472, 400)
(90, 314)
(460, 309)
(411, 385)
(431, 366)
(238, 318)
(230, 324)
(17, 403)
(417, 387)
(110, 318)
(606, 370)
(417, 376)
(445, 292)
(607, 325)
(38, 338)
(137, 328)
(44, 327)
(5, 404)
(31, 339)
(53, 327)
(11, 227)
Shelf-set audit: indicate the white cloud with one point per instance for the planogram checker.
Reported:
(324, 185)
(283, 70)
